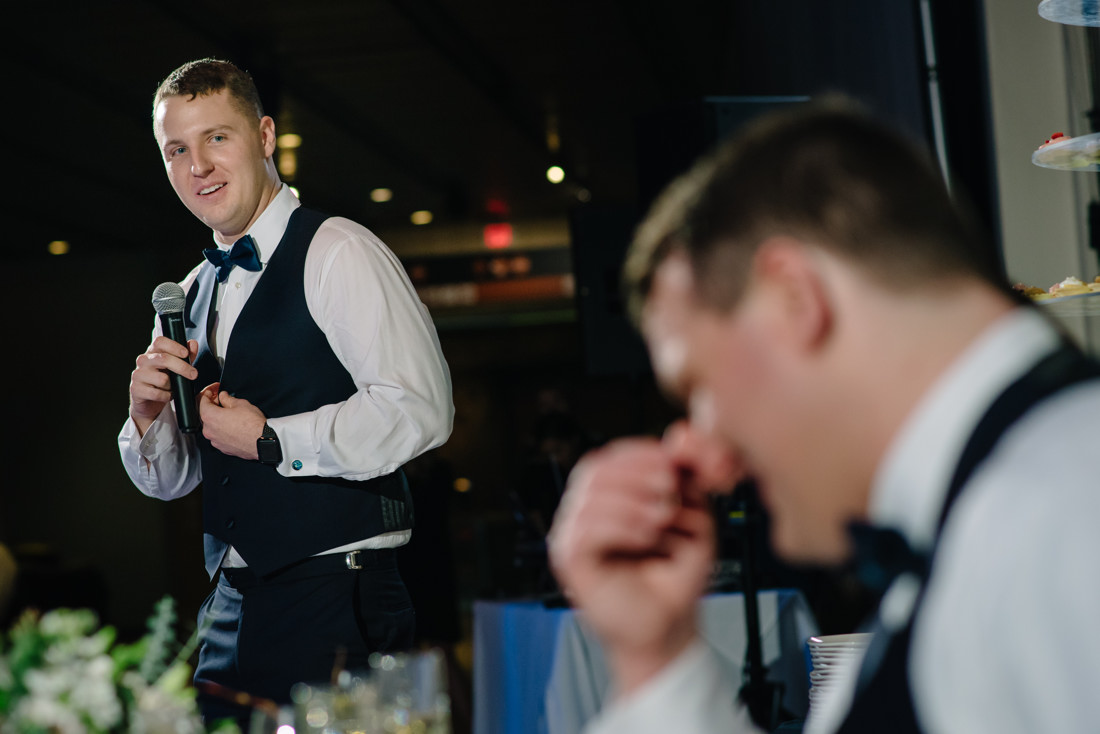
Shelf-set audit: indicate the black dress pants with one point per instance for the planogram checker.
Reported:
(266, 634)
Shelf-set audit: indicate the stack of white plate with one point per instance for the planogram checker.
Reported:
(832, 658)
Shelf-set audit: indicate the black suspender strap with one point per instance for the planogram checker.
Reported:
(883, 700)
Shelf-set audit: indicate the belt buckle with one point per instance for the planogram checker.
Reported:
(352, 560)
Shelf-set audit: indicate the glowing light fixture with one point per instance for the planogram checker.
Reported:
(555, 174)
(553, 137)
(288, 163)
(289, 141)
(462, 484)
(381, 195)
(58, 247)
(422, 216)
(521, 265)
(497, 236)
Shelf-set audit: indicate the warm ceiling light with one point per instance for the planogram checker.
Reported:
(288, 163)
(381, 195)
(555, 174)
(58, 247)
(553, 138)
(422, 216)
(521, 265)
(289, 141)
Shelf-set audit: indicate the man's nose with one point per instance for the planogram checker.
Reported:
(714, 466)
(200, 164)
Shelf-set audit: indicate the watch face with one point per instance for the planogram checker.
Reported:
(269, 450)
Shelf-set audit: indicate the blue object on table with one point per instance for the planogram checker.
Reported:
(513, 652)
(537, 670)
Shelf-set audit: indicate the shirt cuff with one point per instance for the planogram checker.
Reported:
(302, 458)
(163, 463)
(693, 694)
(295, 441)
(159, 438)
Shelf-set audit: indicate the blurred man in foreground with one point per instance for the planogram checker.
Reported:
(838, 332)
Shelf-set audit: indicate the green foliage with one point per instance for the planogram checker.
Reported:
(160, 640)
(59, 673)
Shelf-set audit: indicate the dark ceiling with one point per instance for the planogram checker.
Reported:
(450, 103)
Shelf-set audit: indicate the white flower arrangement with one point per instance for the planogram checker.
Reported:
(59, 674)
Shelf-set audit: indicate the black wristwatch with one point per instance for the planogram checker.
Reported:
(268, 448)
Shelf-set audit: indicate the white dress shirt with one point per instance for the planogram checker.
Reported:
(1006, 640)
(360, 296)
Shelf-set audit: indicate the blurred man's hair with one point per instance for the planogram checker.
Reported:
(210, 76)
(827, 174)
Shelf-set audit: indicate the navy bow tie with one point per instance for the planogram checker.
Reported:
(243, 253)
(882, 554)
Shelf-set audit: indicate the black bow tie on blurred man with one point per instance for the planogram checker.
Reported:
(880, 555)
(243, 253)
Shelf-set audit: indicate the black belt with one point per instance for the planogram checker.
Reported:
(328, 563)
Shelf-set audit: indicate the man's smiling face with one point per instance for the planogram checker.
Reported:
(218, 160)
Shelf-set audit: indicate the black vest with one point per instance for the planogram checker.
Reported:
(279, 360)
(883, 701)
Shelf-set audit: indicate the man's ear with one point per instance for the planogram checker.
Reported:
(267, 136)
(786, 270)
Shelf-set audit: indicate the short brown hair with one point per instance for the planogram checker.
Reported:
(825, 173)
(210, 76)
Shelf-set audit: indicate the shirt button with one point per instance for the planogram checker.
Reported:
(295, 465)
(225, 480)
(237, 284)
(230, 523)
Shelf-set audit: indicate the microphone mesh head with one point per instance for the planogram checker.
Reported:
(169, 298)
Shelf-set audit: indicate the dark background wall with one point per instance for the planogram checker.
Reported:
(76, 323)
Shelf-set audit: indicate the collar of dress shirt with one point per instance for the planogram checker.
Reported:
(909, 486)
(269, 227)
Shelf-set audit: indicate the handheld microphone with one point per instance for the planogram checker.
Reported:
(169, 302)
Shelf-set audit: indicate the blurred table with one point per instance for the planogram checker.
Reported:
(538, 670)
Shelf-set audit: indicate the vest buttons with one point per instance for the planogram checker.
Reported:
(230, 523)
(295, 465)
(225, 480)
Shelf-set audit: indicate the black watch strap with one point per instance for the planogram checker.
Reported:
(268, 448)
